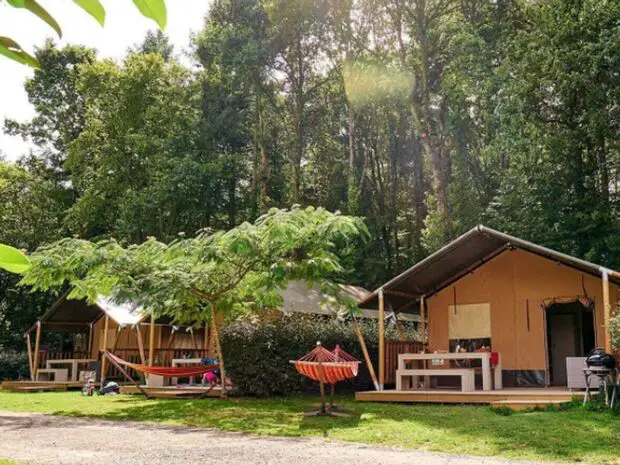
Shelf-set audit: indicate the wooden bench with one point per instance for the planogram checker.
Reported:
(466, 374)
(59, 374)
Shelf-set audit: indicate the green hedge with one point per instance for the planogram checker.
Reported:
(257, 354)
(14, 366)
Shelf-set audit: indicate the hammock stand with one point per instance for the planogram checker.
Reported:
(180, 372)
(327, 367)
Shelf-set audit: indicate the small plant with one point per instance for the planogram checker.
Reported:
(614, 330)
(502, 410)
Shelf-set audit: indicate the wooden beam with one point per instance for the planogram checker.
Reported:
(152, 340)
(606, 309)
(106, 327)
(362, 342)
(400, 294)
(171, 338)
(37, 345)
(114, 344)
(381, 340)
(30, 363)
(140, 345)
(191, 333)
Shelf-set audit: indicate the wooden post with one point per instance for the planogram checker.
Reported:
(113, 349)
(106, 327)
(140, 345)
(422, 325)
(606, 309)
(37, 345)
(371, 369)
(220, 354)
(381, 340)
(152, 340)
(30, 363)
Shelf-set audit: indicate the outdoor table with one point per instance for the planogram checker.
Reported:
(484, 357)
(72, 362)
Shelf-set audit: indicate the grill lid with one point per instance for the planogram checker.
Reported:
(598, 358)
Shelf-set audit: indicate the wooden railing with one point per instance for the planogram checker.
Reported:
(392, 349)
(161, 357)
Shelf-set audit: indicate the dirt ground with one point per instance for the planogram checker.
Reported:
(44, 439)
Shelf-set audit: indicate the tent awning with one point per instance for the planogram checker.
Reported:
(460, 257)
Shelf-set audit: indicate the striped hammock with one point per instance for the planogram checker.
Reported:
(167, 372)
(327, 366)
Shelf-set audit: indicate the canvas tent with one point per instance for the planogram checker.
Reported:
(534, 305)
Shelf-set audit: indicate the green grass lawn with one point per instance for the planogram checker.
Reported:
(570, 434)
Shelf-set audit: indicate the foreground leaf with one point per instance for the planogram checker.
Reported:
(12, 50)
(38, 10)
(154, 9)
(93, 8)
(13, 260)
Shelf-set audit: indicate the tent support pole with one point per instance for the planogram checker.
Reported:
(193, 336)
(205, 341)
(371, 369)
(606, 309)
(381, 340)
(140, 345)
(399, 328)
(30, 363)
(90, 340)
(37, 345)
(106, 326)
(152, 340)
(423, 320)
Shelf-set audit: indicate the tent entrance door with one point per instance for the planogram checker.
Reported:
(570, 333)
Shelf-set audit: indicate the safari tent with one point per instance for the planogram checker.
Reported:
(534, 306)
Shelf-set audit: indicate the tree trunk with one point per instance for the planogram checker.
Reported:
(220, 354)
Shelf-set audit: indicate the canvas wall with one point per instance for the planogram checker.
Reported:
(509, 284)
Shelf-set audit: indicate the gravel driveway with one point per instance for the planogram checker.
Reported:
(42, 439)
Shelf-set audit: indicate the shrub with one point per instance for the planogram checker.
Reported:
(14, 366)
(614, 330)
(258, 354)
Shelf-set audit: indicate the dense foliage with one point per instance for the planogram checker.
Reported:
(424, 117)
(260, 352)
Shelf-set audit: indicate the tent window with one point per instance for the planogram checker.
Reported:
(470, 321)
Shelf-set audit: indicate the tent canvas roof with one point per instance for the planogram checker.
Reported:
(300, 298)
(462, 256)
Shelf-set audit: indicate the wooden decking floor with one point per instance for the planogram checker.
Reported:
(173, 392)
(39, 386)
(537, 396)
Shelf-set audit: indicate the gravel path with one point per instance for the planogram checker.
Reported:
(43, 439)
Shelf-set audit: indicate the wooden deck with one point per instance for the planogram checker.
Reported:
(514, 398)
(174, 392)
(39, 386)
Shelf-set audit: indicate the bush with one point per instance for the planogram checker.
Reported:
(14, 366)
(258, 355)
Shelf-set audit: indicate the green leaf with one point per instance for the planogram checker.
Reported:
(93, 8)
(12, 50)
(154, 9)
(39, 11)
(17, 3)
(12, 260)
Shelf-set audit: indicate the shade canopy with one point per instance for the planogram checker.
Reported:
(76, 315)
(460, 257)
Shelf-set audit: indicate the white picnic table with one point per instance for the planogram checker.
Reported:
(72, 362)
(485, 357)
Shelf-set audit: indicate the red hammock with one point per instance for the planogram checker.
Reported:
(168, 372)
(328, 367)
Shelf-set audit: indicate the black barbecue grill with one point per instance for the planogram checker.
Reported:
(602, 365)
